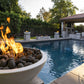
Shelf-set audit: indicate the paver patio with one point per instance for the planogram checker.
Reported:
(76, 76)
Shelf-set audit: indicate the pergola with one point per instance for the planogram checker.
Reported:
(67, 23)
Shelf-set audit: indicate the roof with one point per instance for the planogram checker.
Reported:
(74, 18)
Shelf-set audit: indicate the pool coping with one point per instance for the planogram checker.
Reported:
(76, 76)
(45, 40)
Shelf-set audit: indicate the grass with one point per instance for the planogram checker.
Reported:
(33, 37)
(21, 38)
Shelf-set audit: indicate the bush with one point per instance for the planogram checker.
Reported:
(19, 24)
(15, 22)
(37, 27)
(79, 28)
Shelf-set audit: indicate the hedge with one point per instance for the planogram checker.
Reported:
(20, 24)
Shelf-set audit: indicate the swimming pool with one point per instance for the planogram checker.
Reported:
(63, 56)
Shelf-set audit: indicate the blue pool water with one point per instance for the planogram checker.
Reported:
(63, 56)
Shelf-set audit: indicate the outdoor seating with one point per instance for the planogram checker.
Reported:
(78, 35)
(75, 36)
(72, 36)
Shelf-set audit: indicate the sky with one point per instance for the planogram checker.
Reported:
(79, 4)
(34, 6)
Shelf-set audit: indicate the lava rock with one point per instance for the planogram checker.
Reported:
(25, 49)
(4, 56)
(30, 59)
(37, 51)
(39, 56)
(11, 59)
(20, 65)
(23, 58)
(28, 63)
(0, 52)
(30, 52)
(29, 56)
(23, 62)
(3, 62)
(36, 60)
(20, 61)
(11, 63)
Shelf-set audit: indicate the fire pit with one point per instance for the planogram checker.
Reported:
(17, 64)
(22, 75)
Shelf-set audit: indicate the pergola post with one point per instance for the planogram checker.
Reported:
(62, 25)
(63, 32)
(71, 28)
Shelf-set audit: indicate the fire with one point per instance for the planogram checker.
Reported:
(8, 45)
(8, 19)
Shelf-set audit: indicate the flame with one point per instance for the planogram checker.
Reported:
(8, 45)
(57, 32)
(8, 19)
(8, 30)
(1, 27)
(27, 31)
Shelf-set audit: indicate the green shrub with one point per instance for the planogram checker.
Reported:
(19, 24)
(15, 22)
(79, 28)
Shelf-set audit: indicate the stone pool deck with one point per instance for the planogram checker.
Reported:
(37, 80)
(76, 76)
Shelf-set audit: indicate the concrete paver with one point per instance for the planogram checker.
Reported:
(76, 76)
(37, 80)
(79, 71)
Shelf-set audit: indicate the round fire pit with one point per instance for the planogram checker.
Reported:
(22, 75)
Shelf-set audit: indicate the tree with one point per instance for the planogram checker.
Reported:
(10, 5)
(44, 15)
(25, 15)
(62, 8)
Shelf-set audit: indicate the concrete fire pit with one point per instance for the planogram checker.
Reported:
(27, 36)
(22, 75)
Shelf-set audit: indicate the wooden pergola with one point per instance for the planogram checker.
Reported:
(67, 23)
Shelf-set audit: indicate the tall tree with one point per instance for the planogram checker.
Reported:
(25, 14)
(62, 8)
(44, 15)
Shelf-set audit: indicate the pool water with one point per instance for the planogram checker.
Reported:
(63, 56)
